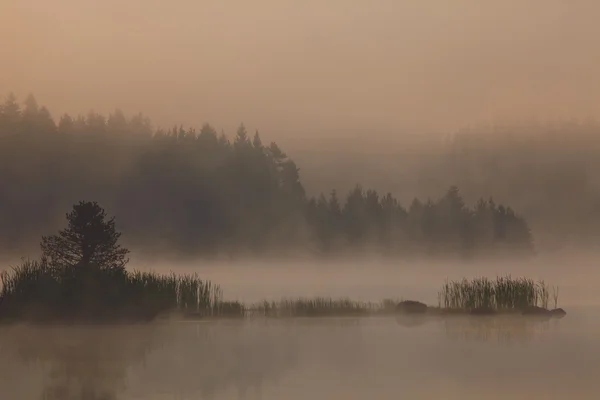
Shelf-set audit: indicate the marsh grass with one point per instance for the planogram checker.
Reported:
(500, 294)
(36, 291)
(185, 293)
(321, 307)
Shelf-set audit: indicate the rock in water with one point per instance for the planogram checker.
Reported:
(411, 307)
(558, 313)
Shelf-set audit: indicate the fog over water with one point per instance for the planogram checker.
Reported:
(376, 84)
(325, 358)
(373, 278)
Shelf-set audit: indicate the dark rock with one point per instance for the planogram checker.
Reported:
(411, 307)
(482, 311)
(558, 313)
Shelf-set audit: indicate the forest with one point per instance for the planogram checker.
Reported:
(201, 193)
(545, 169)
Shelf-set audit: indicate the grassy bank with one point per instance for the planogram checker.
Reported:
(35, 291)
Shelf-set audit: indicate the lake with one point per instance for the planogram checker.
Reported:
(326, 358)
(330, 358)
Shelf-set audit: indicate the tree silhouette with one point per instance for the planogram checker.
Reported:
(89, 239)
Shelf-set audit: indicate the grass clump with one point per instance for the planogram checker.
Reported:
(37, 291)
(313, 307)
(500, 294)
(184, 293)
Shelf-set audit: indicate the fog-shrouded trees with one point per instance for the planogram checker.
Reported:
(546, 169)
(199, 193)
(441, 227)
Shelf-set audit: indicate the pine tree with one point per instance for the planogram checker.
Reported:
(89, 240)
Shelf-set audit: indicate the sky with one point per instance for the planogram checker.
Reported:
(307, 69)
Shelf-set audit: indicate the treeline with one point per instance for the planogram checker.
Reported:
(547, 170)
(442, 227)
(198, 192)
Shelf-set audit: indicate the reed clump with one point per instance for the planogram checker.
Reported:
(315, 307)
(37, 291)
(501, 294)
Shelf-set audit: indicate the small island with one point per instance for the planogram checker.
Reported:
(486, 297)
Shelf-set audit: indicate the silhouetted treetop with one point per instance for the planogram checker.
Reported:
(89, 239)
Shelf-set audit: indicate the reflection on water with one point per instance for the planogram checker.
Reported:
(205, 359)
(503, 329)
(77, 362)
(346, 358)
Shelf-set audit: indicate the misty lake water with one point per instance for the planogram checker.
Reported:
(333, 358)
(324, 358)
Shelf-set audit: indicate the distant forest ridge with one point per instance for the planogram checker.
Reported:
(201, 193)
(547, 170)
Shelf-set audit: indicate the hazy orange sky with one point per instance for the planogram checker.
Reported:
(309, 67)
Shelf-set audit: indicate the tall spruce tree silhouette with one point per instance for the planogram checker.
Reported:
(89, 240)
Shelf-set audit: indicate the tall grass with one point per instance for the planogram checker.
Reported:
(29, 283)
(321, 307)
(503, 293)
(35, 290)
(173, 292)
